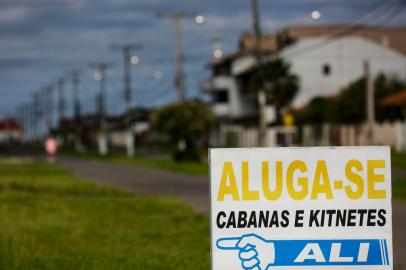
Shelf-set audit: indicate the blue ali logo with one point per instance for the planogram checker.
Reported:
(258, 253)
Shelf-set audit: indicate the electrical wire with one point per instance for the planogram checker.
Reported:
(391, 11)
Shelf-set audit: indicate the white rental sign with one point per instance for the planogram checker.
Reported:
(301, 208)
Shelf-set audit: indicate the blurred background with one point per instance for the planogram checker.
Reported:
(133, 93)
(100, 76)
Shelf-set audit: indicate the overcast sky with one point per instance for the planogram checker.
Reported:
(40, 40)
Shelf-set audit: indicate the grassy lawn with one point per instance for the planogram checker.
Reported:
(399, 189)
(49, 220)
(399, 160)
(162, 163)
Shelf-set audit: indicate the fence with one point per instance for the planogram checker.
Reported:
(238, 136)
(393, 134)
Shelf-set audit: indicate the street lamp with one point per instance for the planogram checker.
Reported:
(97, 76)
(177, 18)
(217, 54)
(200, 19)
(135, 60)
(157, 75)
(315, 15)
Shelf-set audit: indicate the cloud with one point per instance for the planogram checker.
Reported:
(12, 14)
(40, 40)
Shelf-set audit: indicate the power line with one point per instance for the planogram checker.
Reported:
(126, 49)
(61, 99)
(353, 28)
(161, 90)
(102, 78)
(75, 77)
(180, 78)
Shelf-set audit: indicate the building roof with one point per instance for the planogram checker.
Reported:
(9, 124)
(234, 55)
(248, 42)
(394, 38)
(397, 99)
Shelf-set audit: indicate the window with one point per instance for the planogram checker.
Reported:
(326, 70)
(221, 96)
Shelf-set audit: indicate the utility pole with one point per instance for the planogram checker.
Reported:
(370, 102)
(97, 103)
(31, 119)
(180, 77)
(126, 50)
(21, 117)
(102, 139)
(27, 122)
(102, 68)
(36, 113)
(24, 121)
(261, 96)
(41, 121)
(61, 100)
(217, 48)
(48, 108)
(19, 114)
(75, 76)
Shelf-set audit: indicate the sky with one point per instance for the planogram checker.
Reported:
(42, 40)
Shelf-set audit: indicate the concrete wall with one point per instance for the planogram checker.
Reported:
(238, 105)
(345, 56)
(238, 136)
(393, 134)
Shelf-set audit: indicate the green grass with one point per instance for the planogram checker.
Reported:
(161, 163)
(399, 185)
(49, 220)
(399, 189)
(399, 160)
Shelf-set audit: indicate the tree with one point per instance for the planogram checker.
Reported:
(319, 110)
(184, 123)
(349, 105)
(351, 102)
(279, 83)
(384, 87)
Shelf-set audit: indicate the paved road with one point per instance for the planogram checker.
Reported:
(192, 189)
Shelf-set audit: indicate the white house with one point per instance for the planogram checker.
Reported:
(325, 58)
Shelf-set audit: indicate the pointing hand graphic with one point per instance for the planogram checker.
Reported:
(255, 252)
